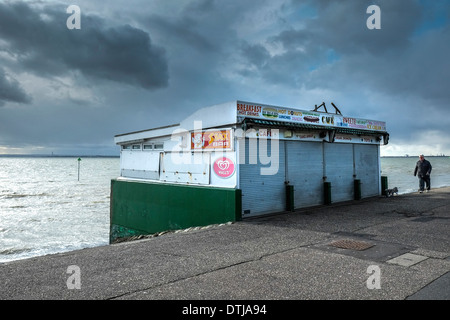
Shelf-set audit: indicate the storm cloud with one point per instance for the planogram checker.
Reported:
(10, 90)
(334, 47)
(134, 67)
(398, 73)
(38, 39)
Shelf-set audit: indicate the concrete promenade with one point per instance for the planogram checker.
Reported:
(395, 248)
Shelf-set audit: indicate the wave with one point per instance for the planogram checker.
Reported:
(9, 251)
(18, 195)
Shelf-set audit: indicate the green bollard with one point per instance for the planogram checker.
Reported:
(327, 192)
(357, 184)
(289, 198)
(384, 185)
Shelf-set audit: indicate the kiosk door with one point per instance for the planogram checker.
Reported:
(367, 169)
(262, 177)
(339, 170)
(304, 161)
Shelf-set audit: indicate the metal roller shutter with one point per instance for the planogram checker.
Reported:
(262, 193)
(366, 169)
(339, 170)
(305, 172)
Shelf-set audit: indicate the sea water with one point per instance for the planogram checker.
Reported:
(53, 204)
(400, 173)
(45, 208)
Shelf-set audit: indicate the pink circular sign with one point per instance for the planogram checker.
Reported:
(224, 167)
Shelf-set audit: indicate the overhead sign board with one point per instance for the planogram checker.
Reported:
(265, 112)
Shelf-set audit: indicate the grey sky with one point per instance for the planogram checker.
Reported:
(141, 64)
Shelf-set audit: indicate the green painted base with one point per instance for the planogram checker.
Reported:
(118, 232)
(142, 208)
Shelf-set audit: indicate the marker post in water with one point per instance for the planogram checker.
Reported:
(79, 160)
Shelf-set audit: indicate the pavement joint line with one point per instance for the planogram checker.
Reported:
(422, 213)
(432, 254)
(373, 225)
(208, 272)
(308, 245)
(426, 285)
(261, 257)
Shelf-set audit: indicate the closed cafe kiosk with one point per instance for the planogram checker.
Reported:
(242, 159)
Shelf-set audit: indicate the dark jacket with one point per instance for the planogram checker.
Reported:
(422, 168)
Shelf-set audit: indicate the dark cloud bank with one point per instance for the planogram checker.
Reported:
(10, 90)
(39, 41)
(217, 51)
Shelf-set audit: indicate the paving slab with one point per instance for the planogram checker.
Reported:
(407, 259)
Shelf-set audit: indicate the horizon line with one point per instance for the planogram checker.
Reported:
(57, 155)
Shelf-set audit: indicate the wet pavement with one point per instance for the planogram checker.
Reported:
(395, 248)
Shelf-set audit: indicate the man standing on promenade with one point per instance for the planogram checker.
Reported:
(423, 171)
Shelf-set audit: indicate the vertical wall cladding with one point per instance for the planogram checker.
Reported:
(303, 165)
(366, 169)
(147, 208)
(263, 189)
(305, 172)
(339, 170)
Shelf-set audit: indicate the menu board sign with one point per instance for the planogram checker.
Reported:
(257, 111)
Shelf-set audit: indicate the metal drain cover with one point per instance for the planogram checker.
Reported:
(351, 244)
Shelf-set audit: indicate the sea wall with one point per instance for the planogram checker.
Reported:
(142, 208)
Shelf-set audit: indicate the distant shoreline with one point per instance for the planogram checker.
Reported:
(118, 156)
(442, 156)
(54, 156)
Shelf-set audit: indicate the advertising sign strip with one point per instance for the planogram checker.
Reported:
(257, 111)
(363, 124)
(355, 139)
(211, 140)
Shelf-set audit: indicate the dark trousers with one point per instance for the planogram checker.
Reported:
(425, 180)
